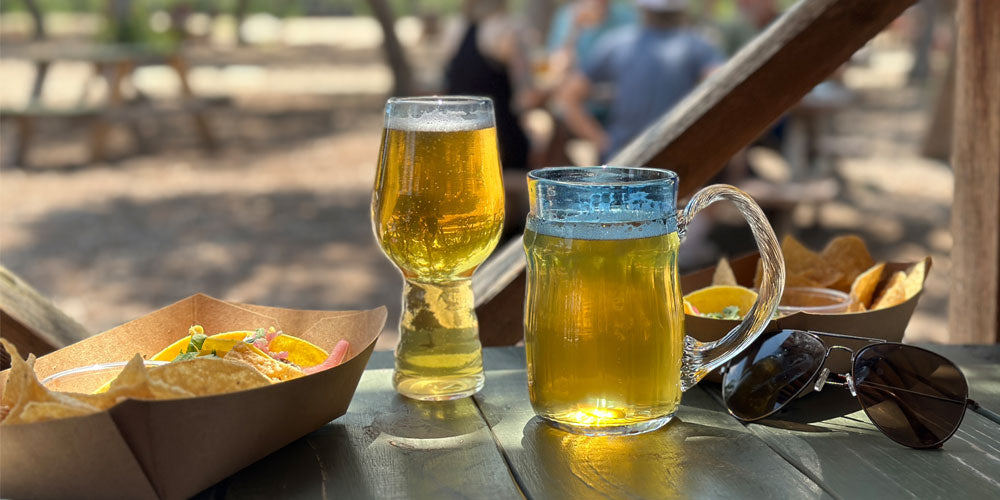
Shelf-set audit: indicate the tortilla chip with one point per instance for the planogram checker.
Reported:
(724, 274)
(863, 288)
(849, 256)
(36, 411)
(893, 293)
(204, 376)
(17, 378)
(134, 382)
(915, 280)
(23, 383)
(856, 307)
(803, 267)
(274, 370)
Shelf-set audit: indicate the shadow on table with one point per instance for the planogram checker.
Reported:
(298, 470)
(808, 409)
(409, 419)
(654, 465)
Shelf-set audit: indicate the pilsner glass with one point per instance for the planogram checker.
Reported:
(437, 211)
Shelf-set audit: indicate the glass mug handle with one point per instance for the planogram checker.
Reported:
(700, 358)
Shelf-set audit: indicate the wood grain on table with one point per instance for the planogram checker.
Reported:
(492, 446)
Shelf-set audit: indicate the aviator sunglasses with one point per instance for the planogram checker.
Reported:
(915, 397)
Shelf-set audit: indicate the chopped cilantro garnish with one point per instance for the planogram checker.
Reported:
(255, 336)
(729, 312)
(197, 340)
(185, 356)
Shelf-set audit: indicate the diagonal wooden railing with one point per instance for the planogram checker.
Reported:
(721, 116)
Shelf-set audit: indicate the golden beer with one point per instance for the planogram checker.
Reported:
(437, 210)
(438, 205)
(603, 329)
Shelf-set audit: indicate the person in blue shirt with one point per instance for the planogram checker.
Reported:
(651, 67)
(577, 26)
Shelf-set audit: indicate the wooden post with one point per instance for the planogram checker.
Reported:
(974, 305)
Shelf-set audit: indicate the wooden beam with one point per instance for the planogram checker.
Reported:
(762, 81)
(723, 114)
(30, 321)
(974, 304)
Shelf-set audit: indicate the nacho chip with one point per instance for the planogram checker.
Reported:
(863, 288)
(803, 267)
(724, 274)
(849, 256)
(36, 411)
(208, 375)
(23, 383)
(856, 307)
(914, 280)
(17, 378)
(893, 294)
(134, 382)
(273, 369)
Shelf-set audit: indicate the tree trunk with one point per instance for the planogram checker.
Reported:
(240, 13)
(37, 18)
(974, 304)
(394, 54)
(41, 68)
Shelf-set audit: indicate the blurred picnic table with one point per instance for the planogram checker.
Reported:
(115, 63)
(492, 446)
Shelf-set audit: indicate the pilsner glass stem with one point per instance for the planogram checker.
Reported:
(439, 356)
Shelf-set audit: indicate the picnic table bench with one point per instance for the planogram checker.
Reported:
(116, 64)
(492, 446)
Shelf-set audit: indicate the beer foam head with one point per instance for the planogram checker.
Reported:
(440, 121)
(439, 114)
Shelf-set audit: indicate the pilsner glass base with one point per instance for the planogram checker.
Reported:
(611, 430)
(439, 356)
(438, 388)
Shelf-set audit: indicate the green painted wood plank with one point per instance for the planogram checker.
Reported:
(704, 453)
(386, 446)
(849, 457)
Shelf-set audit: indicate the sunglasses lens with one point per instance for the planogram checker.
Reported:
(770, 373)
(914, 396)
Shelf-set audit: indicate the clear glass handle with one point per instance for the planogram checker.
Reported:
(700, 358)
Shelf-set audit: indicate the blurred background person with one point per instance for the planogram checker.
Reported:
(493, 59)
(753, 17)
(651, 67)
(577, 27)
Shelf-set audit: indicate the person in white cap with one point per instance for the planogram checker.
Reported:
(651, 67)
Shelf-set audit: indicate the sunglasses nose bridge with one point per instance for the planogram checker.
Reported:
(839, 347)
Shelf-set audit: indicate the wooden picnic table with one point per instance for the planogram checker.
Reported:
(116, 64)
(492, 446)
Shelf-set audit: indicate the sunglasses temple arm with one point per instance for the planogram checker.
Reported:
(974, 406)
(845, 336)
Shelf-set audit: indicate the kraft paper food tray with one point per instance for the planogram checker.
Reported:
(176, 448)
(887, 324)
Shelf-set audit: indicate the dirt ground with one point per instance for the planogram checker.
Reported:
(280, 214)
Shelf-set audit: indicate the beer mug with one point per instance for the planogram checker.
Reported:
(604, 323)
